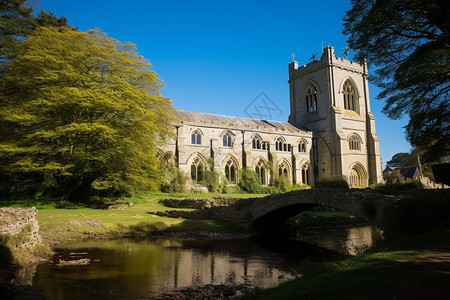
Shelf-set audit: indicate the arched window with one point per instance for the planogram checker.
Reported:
(283, 169)
(280, 145)
(231, 172)
(350, 97)
(256, 142)
(197, 170)
(311, 98)
(227, 142)
(261, 171)
(302, 147)
(354, 143)
(305, 174)
(196, 138)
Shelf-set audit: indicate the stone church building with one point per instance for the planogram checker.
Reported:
(330, 132)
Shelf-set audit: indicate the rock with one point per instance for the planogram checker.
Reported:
(78, 262)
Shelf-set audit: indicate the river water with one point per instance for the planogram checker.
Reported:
(140, 268)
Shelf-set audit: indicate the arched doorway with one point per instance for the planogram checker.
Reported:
(357, 176)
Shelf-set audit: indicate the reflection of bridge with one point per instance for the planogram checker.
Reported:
(387, 212)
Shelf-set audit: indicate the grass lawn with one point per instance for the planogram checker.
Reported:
(60, 221)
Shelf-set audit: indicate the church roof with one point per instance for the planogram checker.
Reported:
(204, 119)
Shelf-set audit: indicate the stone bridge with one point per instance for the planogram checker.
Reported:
(390, 213)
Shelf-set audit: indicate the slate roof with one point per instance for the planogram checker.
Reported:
(204, 119)
(410, 172)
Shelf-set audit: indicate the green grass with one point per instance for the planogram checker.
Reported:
(394, 269)
(63, 220)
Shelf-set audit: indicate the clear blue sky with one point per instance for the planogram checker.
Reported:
(217, 56)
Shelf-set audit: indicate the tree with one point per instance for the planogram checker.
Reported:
(399, 160)
(15, 23)
(81, 112)
(409, 43)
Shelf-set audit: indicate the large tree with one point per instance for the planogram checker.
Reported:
(15, 22)
(408, 42)
(80, 111)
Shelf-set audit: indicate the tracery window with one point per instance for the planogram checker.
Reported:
(354, 143)
(311, 98)
(350, 98)
(261, 171)
(227, 142)
(196, 138)
(283, 169)
(197, 170)
(231, 172)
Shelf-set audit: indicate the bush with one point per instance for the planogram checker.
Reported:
(249, 181)
(337, 183)
(211, 180)
(172, 179)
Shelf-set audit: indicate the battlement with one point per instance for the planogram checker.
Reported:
(328, 58)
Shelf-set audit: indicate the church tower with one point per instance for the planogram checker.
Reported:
(330, 97)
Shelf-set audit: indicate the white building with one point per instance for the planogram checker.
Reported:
(330, 132)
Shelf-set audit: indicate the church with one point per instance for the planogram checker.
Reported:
(330, 132)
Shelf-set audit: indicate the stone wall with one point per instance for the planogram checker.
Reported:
(14, 220)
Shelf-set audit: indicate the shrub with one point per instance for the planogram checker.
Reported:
(249, 181)
(172, 179)
(336, 182)
(211, 180)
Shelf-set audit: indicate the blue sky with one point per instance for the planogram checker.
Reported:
(218, 56)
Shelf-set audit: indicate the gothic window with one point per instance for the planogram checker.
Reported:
(196, 138)
(197, 170)
(261, 171)
(231, 172)
(256, 142)
(354, 143)
(350, 97)
(280, 145)
(283, 169)
(302, 147)
(305, 174)
(311, 98)
(227, 142)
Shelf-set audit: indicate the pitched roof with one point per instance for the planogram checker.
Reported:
(204, 119)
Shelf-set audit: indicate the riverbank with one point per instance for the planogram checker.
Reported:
(414, 267)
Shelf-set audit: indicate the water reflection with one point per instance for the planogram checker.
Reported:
(144, 268)
(345, 240)
(130, 268)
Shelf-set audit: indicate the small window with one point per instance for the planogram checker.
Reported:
(354, 143)
(257, 142)
(196, 138)
(280, 145)
(302, 147)
(227, 142)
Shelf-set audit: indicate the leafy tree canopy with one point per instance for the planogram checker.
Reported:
(409, 43)
(17, 22)
(81, 111)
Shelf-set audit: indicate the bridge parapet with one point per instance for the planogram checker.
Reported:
(390, 213)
